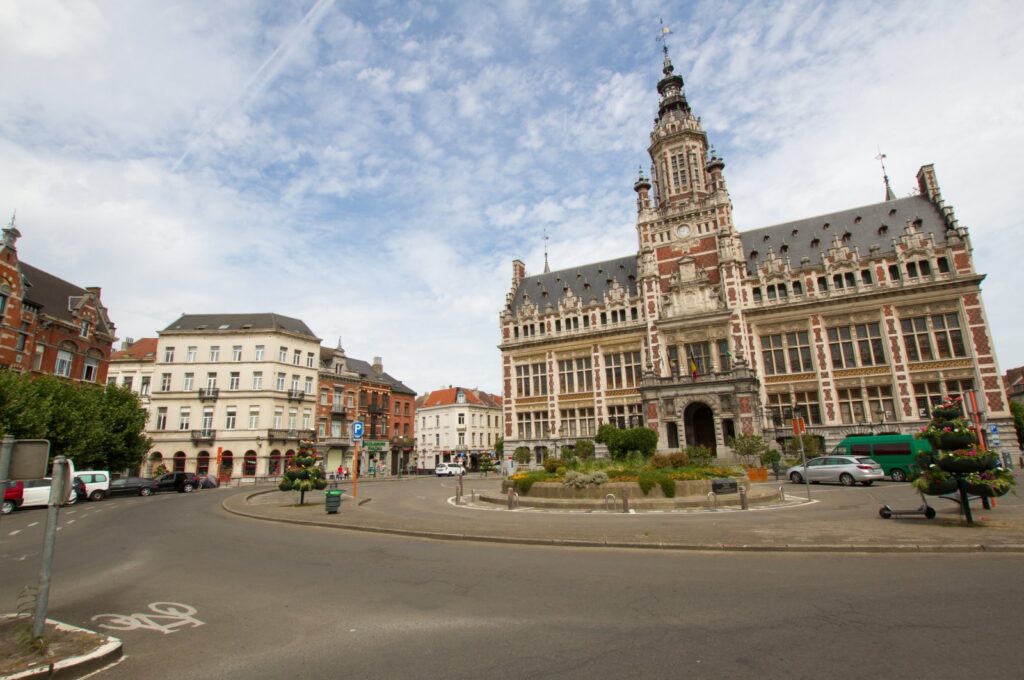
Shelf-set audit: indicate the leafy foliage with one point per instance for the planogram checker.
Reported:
(95, 426)
(1017, 409)
(621, 443)
(522, 455)
(812, 446)
(584, 449)
(699, 455)
(583, 479)
(749, 447)
(499, 446)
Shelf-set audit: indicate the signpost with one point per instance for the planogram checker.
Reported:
(799, 429)
(357, 437)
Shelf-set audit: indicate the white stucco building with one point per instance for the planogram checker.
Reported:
(456, 424)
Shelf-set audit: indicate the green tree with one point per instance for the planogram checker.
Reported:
(499, 447)
(486, 464)
(749, 447)
(304, 474)
(584, 449)
(1017, 410)
(123, 422)
(812, 446)
(522, 455)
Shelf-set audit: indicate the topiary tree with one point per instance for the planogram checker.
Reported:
(486, 464)
(521, 455)
(304, 473)
(749, 447)
(584, 449)
(812, 446)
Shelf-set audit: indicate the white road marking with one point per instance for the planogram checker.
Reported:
(175, 613)
(16, 531)
(70, 521)
(33, 524)
(59, 528)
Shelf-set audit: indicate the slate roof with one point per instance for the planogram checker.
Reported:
(598, 275)
(238, 322)
(141, 350)
(447, 397)
(55, 295)
(793, 240)
(366, 370)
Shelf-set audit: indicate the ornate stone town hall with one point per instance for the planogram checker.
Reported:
(857, 320)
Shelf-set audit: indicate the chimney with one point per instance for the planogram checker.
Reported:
(128, 342)
(378, 365)
(95, 290)
(518, 272)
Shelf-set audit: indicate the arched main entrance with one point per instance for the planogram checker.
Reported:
(699, 421)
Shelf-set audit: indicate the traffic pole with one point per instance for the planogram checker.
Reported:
(355, 471)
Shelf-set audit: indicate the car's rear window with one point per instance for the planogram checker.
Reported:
(866, 461)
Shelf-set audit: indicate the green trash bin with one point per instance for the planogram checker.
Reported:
(332, 501)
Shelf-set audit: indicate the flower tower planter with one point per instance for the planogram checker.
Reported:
(957, 463)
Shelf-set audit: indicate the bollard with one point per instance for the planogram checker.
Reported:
(513, 499)
(609, 498)
(744, 503)
(713, 500)
(510, 492)
(472, 495)
(625, 504)
(782, 493)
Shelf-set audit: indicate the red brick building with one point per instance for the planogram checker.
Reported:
(48, 325)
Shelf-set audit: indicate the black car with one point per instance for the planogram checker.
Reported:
(133, 486)
(182, 482)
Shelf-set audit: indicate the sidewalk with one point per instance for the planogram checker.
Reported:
(840, 519)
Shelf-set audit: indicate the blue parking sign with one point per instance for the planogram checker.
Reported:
(357, 429)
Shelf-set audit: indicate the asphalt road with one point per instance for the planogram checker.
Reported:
(281, 601)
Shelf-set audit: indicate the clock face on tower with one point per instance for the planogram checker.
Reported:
(683, 230)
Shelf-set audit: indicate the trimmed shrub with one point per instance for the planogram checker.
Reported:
(560, 471)
(584, 449)
(679, 459)
(583, 479)
(552, 464)
(699, 455)
(660, 461)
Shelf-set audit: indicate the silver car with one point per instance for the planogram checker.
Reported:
(847, 470)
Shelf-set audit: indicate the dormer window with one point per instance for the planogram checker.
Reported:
(826, 226)
(84, 331)
(460, 398)
(883, 230)
(815, 242)
(753, 254)
(856, 220)
(892, 211)
(846, 237)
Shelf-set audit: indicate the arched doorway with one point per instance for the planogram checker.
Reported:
(227, 464)
(288, 456)
(179, 461)
(275, 463)
(203, 463)
(699, 422)
(156, 459)
(249, 464)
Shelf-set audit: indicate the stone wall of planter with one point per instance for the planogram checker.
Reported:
(632, 490)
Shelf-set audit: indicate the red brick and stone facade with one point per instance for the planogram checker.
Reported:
(857, 320)
(50, 326)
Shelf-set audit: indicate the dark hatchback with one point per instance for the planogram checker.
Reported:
(182, 482)
(133, 486)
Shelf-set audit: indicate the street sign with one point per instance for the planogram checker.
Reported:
(30, 459)
(993, 429)
(374, 445)
(357, 429)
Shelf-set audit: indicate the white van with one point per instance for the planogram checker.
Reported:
(37, 491)
(97, 483)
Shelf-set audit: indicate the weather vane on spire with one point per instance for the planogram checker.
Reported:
(889, 194)
(663, 38)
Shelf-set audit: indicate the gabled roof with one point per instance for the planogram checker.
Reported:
(365, 370)
(241, 322)
(879, 224)
(449, 397)
(143, 349)
(587, 282)
(56, 296)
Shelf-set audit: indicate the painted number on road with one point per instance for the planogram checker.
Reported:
(166, 617)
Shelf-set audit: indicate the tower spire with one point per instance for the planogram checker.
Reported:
(547, 269)
(890, 195)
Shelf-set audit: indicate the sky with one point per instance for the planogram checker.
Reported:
(373, 168)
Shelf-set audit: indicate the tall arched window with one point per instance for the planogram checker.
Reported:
(249, 464)
(179, 461)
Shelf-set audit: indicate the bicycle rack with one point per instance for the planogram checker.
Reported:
(608, 506)
(513, 499)
(713, 500)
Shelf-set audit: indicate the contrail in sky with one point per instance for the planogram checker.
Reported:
(267, 71)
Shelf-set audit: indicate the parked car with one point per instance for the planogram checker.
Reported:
(37, 492)
(182, 482)
(133, 486)
(208, 482)
(449, 469)
(13, 496)
(96, 483)
(847, 470)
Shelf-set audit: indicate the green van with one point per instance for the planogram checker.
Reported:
(896, 453)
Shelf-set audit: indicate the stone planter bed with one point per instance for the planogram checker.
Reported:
(689, 494)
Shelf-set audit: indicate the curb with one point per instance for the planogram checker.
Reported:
(897, 548)
(107, 654)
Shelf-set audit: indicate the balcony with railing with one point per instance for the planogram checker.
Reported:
(376, 408)
(209, 393)
(339, 410)
(203, 436)
(289, 435)
(296, 395)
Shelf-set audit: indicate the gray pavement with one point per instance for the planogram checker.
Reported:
(839, 519)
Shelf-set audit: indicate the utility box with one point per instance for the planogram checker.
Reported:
(720, 486)
(332, 501)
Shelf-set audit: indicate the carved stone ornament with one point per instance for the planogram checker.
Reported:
(691, 292)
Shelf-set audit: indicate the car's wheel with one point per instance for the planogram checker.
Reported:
(73, 499)
(96, 495)
(145, 491)
(187, 488)
(929, 512)
(795, 477)
(868, 483)
(885, 512)
(898, 475)
(7, 508)
(846, 479)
